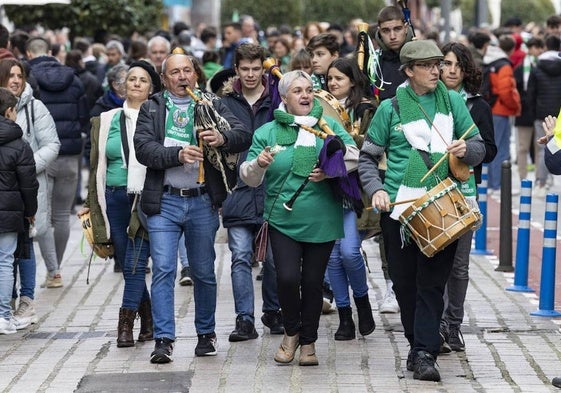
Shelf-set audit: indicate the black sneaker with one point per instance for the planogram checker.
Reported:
(444, 339)
(206, 346)
(410, 360)
(273, 320)
(456, 339)
(162, 351)
(185, 278)
(424, 368)
(245, 330)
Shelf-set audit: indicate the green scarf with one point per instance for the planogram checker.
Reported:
(179, 121)
(305, 150)
(420, 134)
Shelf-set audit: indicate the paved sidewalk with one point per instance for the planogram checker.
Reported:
(73, 347)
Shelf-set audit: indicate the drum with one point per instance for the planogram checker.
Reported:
(332, 108)
(439, 217)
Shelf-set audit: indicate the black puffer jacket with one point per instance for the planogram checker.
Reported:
(480, 112)
(390, 64)
(244, 206)
(63, 94)
(151, 152)
(18, 180)
(526, 118)
(544, 94)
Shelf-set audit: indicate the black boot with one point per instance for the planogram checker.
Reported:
(146, 323)
(366, 324)
(124, 329)
(346, 330)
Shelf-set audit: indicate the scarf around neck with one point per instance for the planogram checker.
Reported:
(421, 135)
(136, 171)
(305, 152)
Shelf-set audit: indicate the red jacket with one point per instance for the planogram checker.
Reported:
(503, 85)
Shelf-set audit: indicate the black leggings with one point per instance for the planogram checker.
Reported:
(300, 269)
(418, 282)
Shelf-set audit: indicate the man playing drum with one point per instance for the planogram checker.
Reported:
(424, 123)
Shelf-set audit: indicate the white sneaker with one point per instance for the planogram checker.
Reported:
(7, 326)
(389, 303)
(327, 307)
(25, 314)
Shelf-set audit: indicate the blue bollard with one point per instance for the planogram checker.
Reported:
(523, 240)
(481, 233)
(547, 285)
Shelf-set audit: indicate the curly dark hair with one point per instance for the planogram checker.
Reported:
(472, 73)
(361, 88)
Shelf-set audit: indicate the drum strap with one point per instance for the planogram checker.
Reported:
(425, 156)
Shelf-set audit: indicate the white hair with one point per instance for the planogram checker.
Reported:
(289, 77)
(158, 39)
(114, 44)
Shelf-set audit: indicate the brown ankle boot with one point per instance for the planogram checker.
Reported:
(308, 355)
(146, 323)
(124, 329)
(287, 349)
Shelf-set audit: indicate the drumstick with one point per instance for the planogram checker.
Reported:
(395, 203)
(445, 155)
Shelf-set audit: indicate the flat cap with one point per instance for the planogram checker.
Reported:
(419, 50)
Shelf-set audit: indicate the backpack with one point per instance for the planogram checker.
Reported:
(31, 122)
(486, 88)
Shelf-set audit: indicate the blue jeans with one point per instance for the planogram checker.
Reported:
(240, 242)
(182, 252)
(269, 291)
(346, 265)
(199, 221)
(134, 272)
(27, 269)
(502, 140)
(8, 244)
(119, 206)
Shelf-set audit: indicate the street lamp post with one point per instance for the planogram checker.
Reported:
(481, 13)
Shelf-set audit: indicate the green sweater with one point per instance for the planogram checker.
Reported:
(385, 130)
(317, 215)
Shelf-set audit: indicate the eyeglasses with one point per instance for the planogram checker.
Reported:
(430, 65)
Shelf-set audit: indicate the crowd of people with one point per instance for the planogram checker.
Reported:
(186, 130)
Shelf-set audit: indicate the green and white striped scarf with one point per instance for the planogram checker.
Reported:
(420, 135)
(305, 151)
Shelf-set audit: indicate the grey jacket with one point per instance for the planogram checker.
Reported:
(39, 131)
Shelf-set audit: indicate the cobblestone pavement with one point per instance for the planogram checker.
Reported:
(73, 347)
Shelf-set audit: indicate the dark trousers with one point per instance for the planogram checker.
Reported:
(418, 283)
(300, 269)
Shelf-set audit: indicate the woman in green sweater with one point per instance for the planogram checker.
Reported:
(285, 155)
